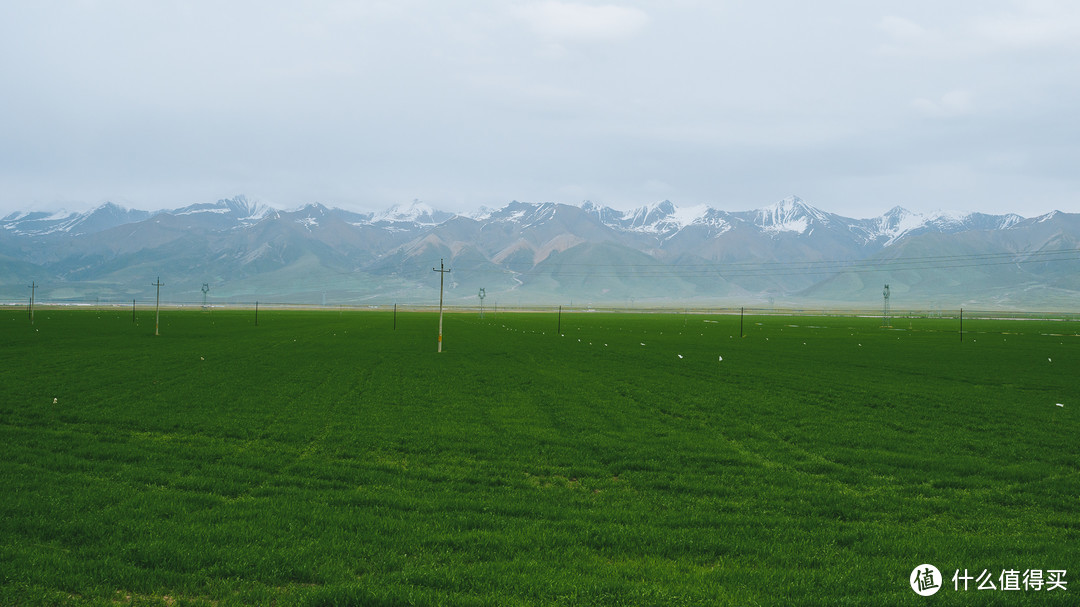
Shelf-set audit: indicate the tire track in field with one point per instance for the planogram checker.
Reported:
(339, 386)
(871, 488)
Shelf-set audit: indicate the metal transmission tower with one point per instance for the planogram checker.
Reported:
(482, 295)
(442, 274)
(885, 322)
(205, 290)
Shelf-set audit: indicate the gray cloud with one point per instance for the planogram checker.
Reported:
(855, 107)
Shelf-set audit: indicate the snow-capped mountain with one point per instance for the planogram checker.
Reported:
(230, 212)
(536, 251)
(238, 208)
(102, 218)
(898, 223)
(662, 219)
(415, 212)
(789, 215)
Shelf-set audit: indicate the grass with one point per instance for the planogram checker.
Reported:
(325, 458)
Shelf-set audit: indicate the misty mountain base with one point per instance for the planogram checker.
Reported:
(332, 459)
(789, 253)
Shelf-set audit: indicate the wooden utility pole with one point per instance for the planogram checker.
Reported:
(33, 287)
(559, 330)
(395, 315)
(256, 313)
(157, 306)
(961, 324)
(442, 274)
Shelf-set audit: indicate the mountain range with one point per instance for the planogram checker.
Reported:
(789, 253)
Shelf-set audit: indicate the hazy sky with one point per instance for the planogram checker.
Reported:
(855, 106)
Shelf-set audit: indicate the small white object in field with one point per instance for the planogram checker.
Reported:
(680, 355)
(54, 401)
(1058, 404)
(720, 358)
(201, 358)
(1048, 360)
(643, 343)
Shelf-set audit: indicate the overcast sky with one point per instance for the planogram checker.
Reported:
(855, 106)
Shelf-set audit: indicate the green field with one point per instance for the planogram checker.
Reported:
(327, 458)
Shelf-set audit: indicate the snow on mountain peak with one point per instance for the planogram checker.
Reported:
(684, 216)
(788, 215)
(247, 210)
(410, 211)
(1009, 220)
(664, 217)
(417, 211)
(948, 217)
(607, 215)
(896, 223)
(313, 207)
(899, 217)
(238, 207)
(650, 217)
(481, 214)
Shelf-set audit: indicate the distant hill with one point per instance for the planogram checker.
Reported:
(787, 253)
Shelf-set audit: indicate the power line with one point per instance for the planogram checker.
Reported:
(758, 269)
(675, 272)
(929, 258)
(737, 269)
